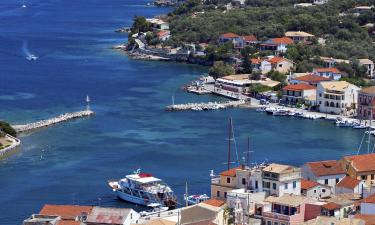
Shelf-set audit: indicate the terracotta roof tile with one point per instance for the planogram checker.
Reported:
(362, 163)
(255, 61)
(250, 38)
(331, 206)
(327, 70)
(324, 168)
(348, 182)
(214, 202)
(68, 222)
(65, 211)
(307, 184)
(369, 199)
(298, 87)
(312, 78)
(230, 172)
(369, 219)
(276, 60)
(229, 35)
(282, 40)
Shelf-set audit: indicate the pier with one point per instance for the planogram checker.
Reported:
(205, 106)
(52, 121)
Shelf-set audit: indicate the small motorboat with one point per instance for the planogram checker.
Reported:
(361, 126)
(32, 57)
(195, 199)
(154, 209)
(281, 112)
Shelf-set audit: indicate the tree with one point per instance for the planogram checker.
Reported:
(277, 76)
(220, 69)
(140, 24)
(7, 128)
(246, 65)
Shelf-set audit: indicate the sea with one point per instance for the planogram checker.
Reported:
(70, 163)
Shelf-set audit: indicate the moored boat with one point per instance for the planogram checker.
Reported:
(144, 189)
(195, 199)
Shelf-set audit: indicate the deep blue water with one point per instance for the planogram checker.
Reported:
(70, 163)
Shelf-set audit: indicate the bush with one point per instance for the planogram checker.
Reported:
(5, 127)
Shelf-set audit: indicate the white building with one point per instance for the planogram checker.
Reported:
(350, 185)
(369, 65)
(320, 2)
(247, 199)
(324, 172)
(281, 179)
(337, 97)
(312, 189)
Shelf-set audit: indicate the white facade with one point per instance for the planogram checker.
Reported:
(247, 199)
(318, 192)
(356, 190)
(338, 97)
(367, 208)
(281, 186)
(369, 66)
(320, 2)
(265, 66)
(329, 180)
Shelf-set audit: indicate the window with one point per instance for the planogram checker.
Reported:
(266, 174)
(286, 186)
(314, 191)
(294, 184)
(280, 65)
(218, 193)
(274, 186)
(364, 177)
(324, 190)
(267, 184)
(243, 181)
(326, 181)
(256, 184)
(269, 223)
(225, 194)
(228, 180)
(372, 176)
(320, 94)
(275, 223)
(337, 180)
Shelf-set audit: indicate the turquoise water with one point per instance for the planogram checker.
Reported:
(69, 163)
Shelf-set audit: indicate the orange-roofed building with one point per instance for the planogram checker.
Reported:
(214, 202)
(331, 209)
(310, 79)
(312, 189)
(366, 101)
(327, 172)
(280, 64)
(249, 40)
(298, 93)
(332, 73)
(276, 44)
(361, 167)
(235, 39)
(367, 205)
(350, 185)
(65, 211)
(368, 218)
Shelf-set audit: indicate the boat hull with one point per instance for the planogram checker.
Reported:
(131, 198)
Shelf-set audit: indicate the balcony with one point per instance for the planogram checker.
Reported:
(290, 176)
(215, 180)
(277, 216)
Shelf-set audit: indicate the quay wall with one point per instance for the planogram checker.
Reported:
(6, 151)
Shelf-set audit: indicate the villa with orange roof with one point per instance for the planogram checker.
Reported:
(327, 172)
(276, 44)
(310, 79)
(350, 185)
(332, 73)
(367, 205)
(299, 36)
(361, 167)
(238, 40)
(312, 189)
(298, 93)
(280, 64)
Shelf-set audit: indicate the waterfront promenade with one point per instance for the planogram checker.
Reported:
(52, 121)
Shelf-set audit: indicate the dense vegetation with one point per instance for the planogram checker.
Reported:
(7, 128)
(345, 38)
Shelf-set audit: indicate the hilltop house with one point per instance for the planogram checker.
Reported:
(361, 167)
(299, 36)
(276, 44)
(366, 101)
(369, 65)
(281, 179)
(312, 189)
(163, 35)
(297, 93)
(327, 172)
(289, 209)
(332, 73)
(337, 97)
(310, 79)
(280, 64)
(237, 40)
(158, 24)
(332, 62)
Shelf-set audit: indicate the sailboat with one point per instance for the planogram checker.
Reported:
(23, 4)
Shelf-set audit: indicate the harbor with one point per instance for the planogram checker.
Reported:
(206, 106)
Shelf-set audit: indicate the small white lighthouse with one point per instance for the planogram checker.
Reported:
(87, 103)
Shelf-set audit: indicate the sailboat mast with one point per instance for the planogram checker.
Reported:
(229, 140)
(186, 194)
(248, 152)
(369, 133)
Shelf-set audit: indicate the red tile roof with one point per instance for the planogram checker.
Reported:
(255, 61)
(65, 211)
(282, 40)
(230, 172)
(307, 184)
(214, 202)
(362, 163)
(162, 33)
(369, 199)
(368, 90)
(249, 38)
(369, 219)
(331, 206)
(276, 60)
(229, 35)
(324, 168)
(312, 78)
(298, 87)
(68, 222)
(327, 70)
(348, 182)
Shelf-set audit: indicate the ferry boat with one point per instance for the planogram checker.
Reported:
(144, 189)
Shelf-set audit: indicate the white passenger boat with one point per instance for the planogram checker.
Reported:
(195, 199)
(154, 209)
(144, 189)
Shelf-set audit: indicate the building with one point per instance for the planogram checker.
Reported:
(327, 172)
(281, 179)
(369, 66)
(163, 35)
(290, 210)
(349, 185)
(280, 64)
(111, 216)
(325, 220)
(227, 181)
(299, 36)
(366, 101)
(209, 212)
(369, 219)
(246, 198)
(315, 190)
(278, 45)
(320, 2)
(332, 73)
(340, 206)
(332, 62)
(249, 40)
(237, 40)
(297, 93)
(337, 97)
(361, 167)
(310, 79)
(158, 24)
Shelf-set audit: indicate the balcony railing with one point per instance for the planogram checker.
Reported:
(215, 180)
(278, 216)
(290, 176)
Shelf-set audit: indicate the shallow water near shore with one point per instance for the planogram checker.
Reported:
(70, 163)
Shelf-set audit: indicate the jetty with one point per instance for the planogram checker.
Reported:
(52, 121)
(205, 106)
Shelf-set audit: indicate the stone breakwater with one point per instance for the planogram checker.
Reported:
(6, 151)
(205, 106)
(51, 121)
